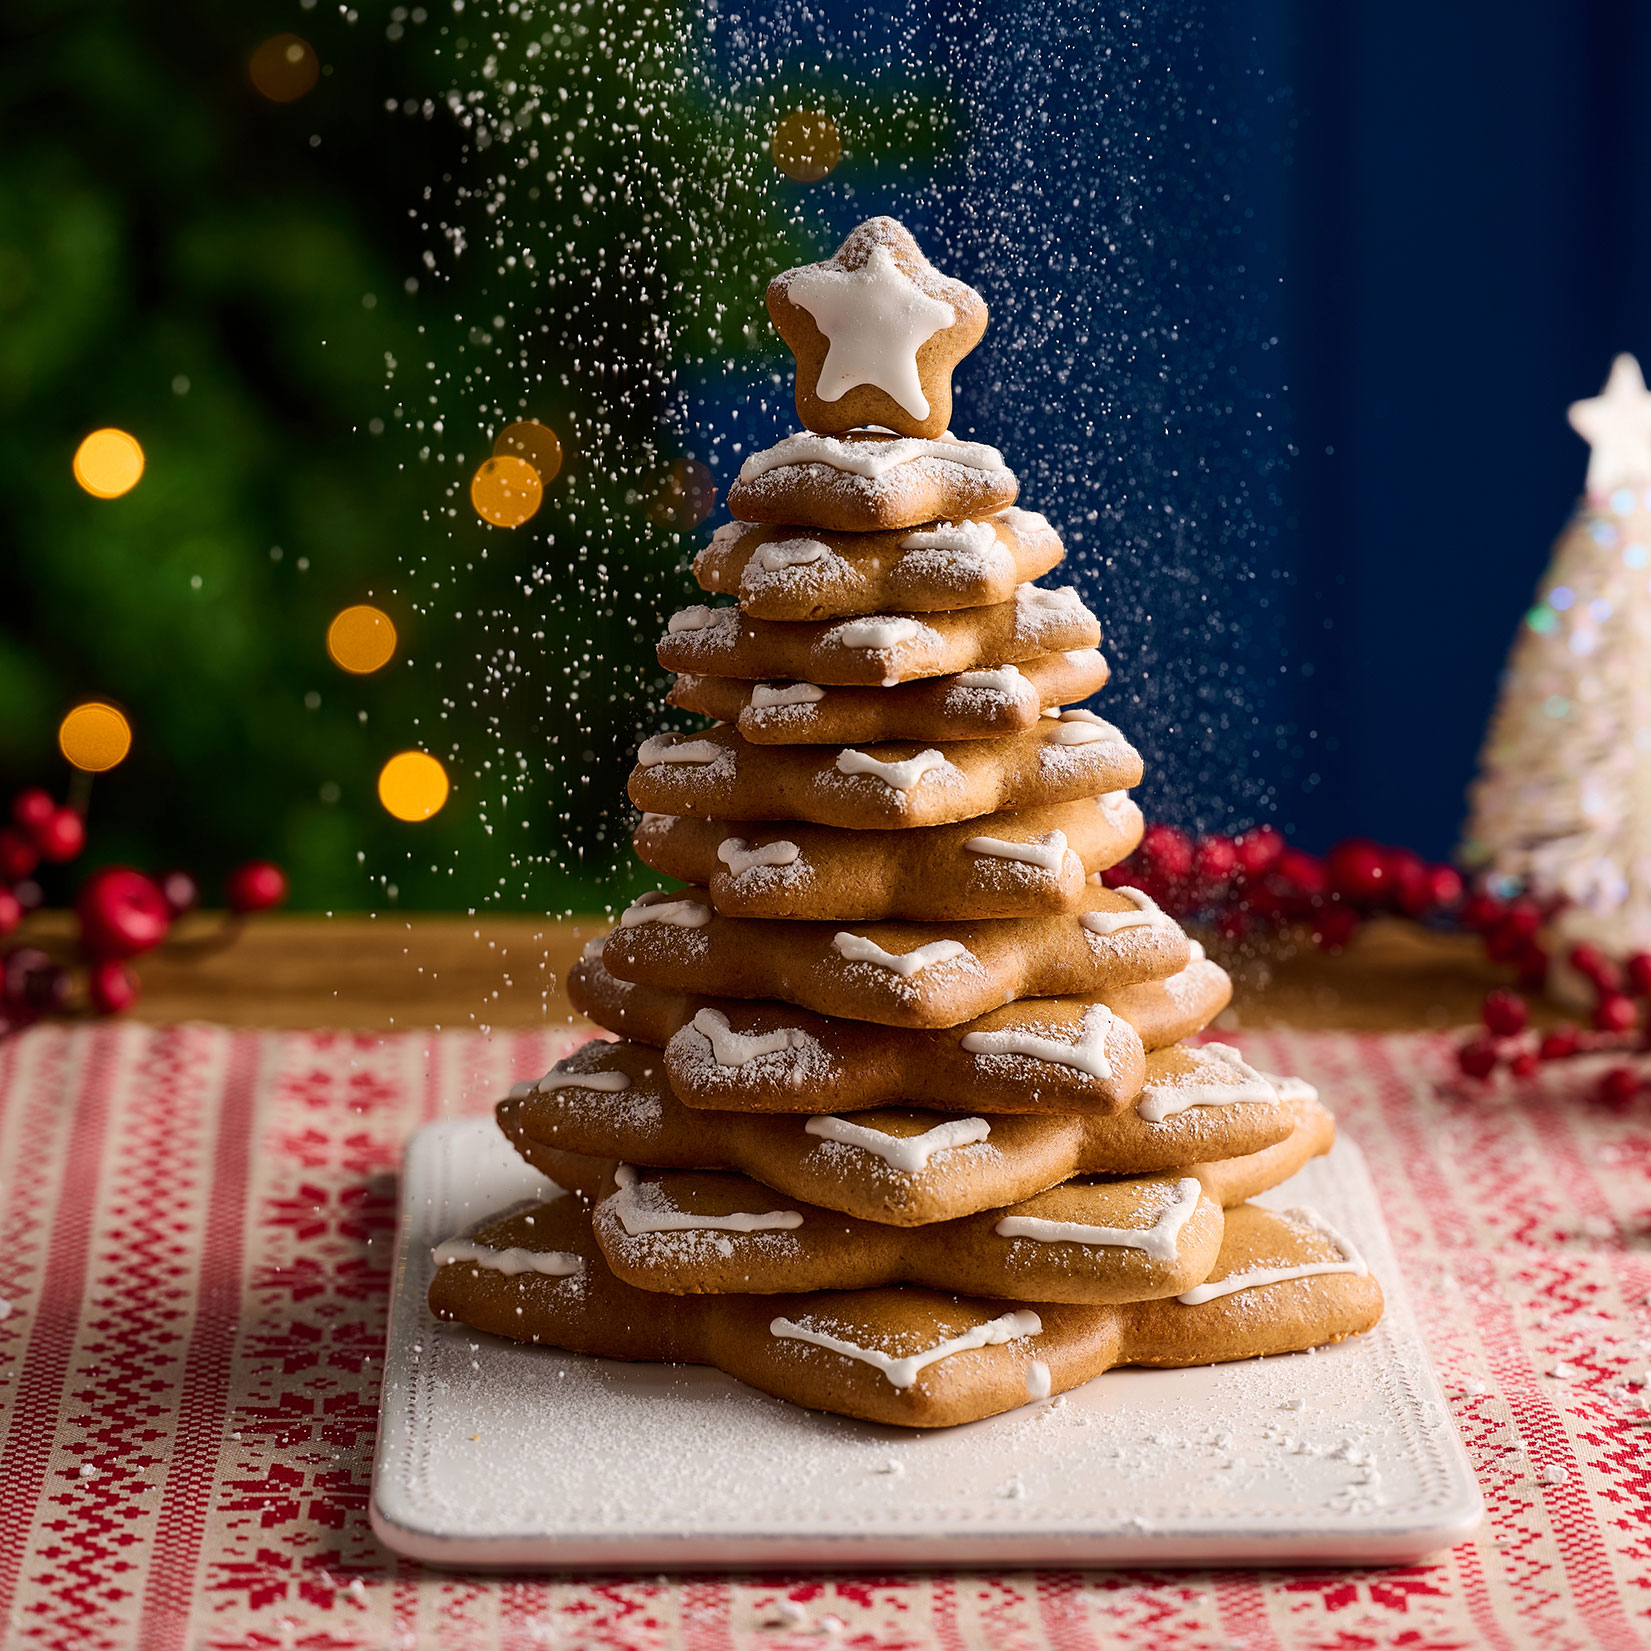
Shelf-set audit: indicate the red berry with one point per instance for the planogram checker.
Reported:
(1259, 849)
(30, 980)
(1531, 963)
(111, 986)
(1357, 870)
(1615, 1012)
(1482, 912)
(1596, 968)
(18, 855)
(1560, 1043)
(1405, 874)
(11, 912)
(1524, 1064)
(1477, 1058)
(256, 886)
(1505, 1014)
(1444, 888)
(179, 890)
(1300, 880)
(62, 837)
(1638, 971)
(1334, 927)
(1215, 859)
(1166, 852)
(121, 913)
(31, 809)
(1617, 1088)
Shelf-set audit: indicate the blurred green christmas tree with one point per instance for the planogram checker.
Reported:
(315, 283)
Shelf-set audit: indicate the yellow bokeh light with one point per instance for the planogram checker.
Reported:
(537, 443)
(412, 785)
(362, 639)
(806, 145)
(108, 463)
(94, 736)
(284, 68)
(506, 491)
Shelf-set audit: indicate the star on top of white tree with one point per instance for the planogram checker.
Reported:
(1616, 424)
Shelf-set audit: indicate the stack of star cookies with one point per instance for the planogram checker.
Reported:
(901, 1121)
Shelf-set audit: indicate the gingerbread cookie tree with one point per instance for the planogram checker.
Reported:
(901, 1121)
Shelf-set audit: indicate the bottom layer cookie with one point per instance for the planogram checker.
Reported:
(906, 1356)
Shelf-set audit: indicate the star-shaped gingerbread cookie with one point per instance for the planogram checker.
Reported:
(877, 331)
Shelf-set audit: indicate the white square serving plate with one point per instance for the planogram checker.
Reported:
(492, 1454)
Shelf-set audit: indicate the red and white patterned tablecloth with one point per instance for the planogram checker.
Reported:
(194, 1233)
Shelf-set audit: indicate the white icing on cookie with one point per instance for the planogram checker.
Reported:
(902, 1372)
(780, 554)
(899, 776)
(906, 1153)
(1159, 1241)
(874, 320)
(552, 1263)
(1164, 1100)
(659, 907)
(1351, 1262)
(606, 1083)
(731, 1048)
(767, 695)
(1047, 851)
(1037, 1380)
(855, 948)
(1147, 910)
(638, 1217)
(739, 859)
(1004, 679)
(699, 618)
(973, 538)
(1112, 805)
(660, 748)
(1087, 1055)
(869, 459)
(1082, 728)
(876, 633)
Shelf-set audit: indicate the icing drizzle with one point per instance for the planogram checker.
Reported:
(902, 1372)
(766, 694)
(699, 617)
(731, 1048)
(661, 749)
(1047, 851)
(856, 948)
(877, 633)
(739, 859)
(1158, 1241)
(898, 776)
(659, 907)
(1164, 1100)
(906, 1153)
(1087, 1055)
(869, 459)
(975, 538)
(607, 1083)
(780, 554)
(552, 1263)
(637, 1218)
(1351, 1262)
(1147, 910)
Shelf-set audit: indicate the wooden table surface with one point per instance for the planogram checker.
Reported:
(368, 972)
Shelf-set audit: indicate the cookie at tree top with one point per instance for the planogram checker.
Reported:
(719, 775)
(896, 973)
(882, 650)
(968, 705)
(844, 1064)
(1020, 863)
(904, 1355)
(698, 1232)
(877, 332)
(870, 482)
(907, 1166)
(782, 573)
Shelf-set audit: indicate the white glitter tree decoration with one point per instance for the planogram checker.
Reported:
(1562, 805)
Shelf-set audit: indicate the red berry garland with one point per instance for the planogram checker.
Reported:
(122, 912)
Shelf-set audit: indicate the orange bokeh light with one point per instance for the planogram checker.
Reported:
(94, 736)
(284, 68)
(806, 145)
(412, 785)
(506, 491)
(537, 443)
(108, 463)
(361, 640)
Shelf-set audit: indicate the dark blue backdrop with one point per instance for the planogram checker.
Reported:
(1289, 297)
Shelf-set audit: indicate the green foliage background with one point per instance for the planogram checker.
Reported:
(229, 280)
